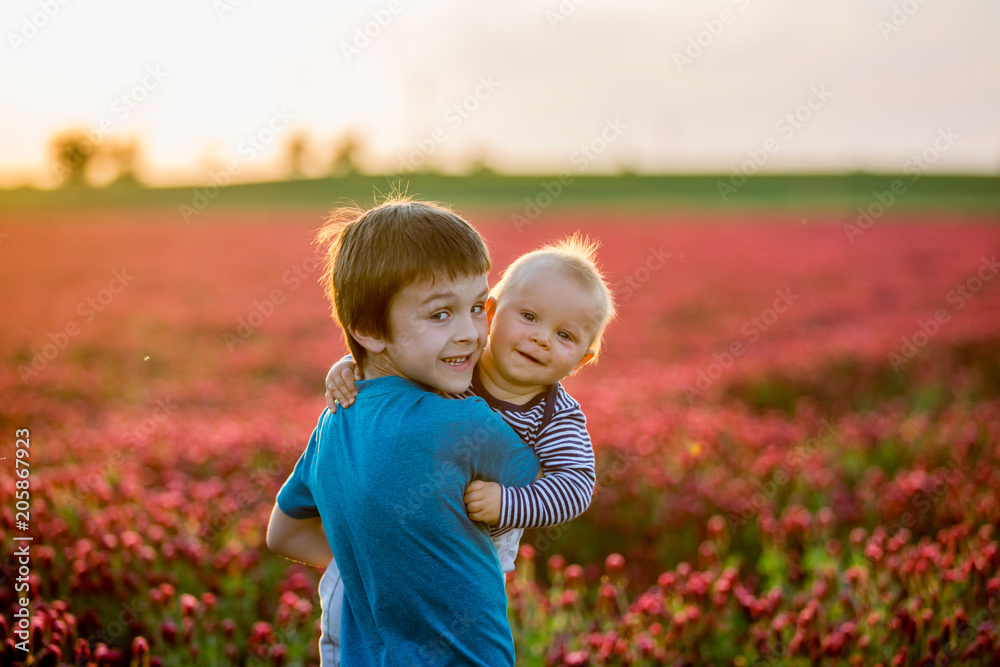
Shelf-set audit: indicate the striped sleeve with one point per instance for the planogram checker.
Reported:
(567, 459)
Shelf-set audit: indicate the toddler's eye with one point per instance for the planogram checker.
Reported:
(565, 335)
(528, 316)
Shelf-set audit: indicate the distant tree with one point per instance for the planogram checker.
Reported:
(345, 151)
(79, 160)
(480, 164)
(297, 154)
(124, 155)
(72, 151)
(114, 161)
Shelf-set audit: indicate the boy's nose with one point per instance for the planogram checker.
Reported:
(468, 331)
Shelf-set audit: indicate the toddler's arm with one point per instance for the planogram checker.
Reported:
(301, 540)
(567, 460)
(340, 384)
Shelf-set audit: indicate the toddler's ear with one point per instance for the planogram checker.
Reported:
(583, 362)
(373, 344)
(491, 310)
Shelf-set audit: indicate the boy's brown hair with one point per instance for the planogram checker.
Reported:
(576, 255)
(371, 255)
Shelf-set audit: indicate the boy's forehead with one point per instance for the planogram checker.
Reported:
(441, 285)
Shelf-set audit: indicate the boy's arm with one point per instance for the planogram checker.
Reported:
(301, 540)
(295, 529)
(567, 488)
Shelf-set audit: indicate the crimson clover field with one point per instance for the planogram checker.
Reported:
(797, 432)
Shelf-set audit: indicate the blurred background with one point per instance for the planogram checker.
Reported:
(164, 96)
(796, 418)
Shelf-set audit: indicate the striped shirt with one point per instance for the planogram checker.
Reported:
(554, 426)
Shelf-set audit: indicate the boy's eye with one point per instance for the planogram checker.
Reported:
(479, 308)
(528, 316)
(440, 316)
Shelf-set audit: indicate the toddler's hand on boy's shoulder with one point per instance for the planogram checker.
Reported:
(482, 501)
(340, 387)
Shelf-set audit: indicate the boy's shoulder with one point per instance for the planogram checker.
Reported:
(421, 408)
(404, 401)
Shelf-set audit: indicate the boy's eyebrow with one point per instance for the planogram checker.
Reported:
(448, 295)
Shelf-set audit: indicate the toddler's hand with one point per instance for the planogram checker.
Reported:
(482, 501)
(340, 388)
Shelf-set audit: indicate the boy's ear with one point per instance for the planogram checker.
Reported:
(491, 310)
(373, 344)
(583, 362)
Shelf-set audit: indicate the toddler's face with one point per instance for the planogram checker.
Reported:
(544, 327)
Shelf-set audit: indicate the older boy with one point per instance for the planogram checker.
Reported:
(408, 283)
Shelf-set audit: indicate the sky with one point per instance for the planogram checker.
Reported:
(592, 86)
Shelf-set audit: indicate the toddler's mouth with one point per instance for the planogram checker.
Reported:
(529, 357)
(457, 361)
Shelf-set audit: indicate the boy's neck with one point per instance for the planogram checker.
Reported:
(500, 389)
(378, 365)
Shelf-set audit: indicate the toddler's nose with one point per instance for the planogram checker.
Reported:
(540, 339)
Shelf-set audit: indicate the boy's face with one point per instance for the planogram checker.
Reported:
(543, 328)
(439, 331)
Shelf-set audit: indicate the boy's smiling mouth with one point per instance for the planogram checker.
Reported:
(457, 362)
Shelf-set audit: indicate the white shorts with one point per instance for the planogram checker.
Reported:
(331, 600)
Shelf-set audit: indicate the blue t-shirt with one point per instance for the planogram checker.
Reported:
(422, 581)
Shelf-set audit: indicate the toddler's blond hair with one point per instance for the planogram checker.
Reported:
(576, 256)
